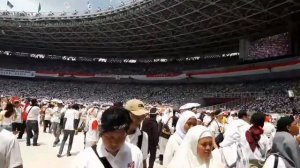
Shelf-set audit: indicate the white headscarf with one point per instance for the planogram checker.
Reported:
(187, 157)
(185, 116)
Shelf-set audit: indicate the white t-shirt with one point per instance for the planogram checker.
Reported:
(92, 135)
(271, 161)
(77, 114)
(10, 155)
(269, 129)
(48, 113)
(129, 156)
(133, 139)
(19, 115)
(215, 126)
(33, 113)
(70, 116)
(56, 114)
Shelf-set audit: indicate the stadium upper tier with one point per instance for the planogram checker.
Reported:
(150, 28)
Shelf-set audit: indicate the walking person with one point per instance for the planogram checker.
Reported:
(92, 134)
(57, 113)
(7, 117)
(69, 128)
(186, 121)
(112, 151)
(47, 118)
(135, 135)
(32, 125)
(17, 125)
(150, 126)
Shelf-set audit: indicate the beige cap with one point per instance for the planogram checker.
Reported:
(136, 107)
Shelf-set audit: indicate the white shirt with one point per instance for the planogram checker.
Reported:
(258, 154)
(215, 126)
(10, 155)
(129, 156)
(19, 115)
(92, 135)
(77, 114)
(56, 114)
(269, 129)
(33, 113)
(48, 113)
(173, 144)
(70, 116)
(133, 139)
(271, 161)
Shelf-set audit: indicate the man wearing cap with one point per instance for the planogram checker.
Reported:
(112, 151)
(135, 135)
(55, 121)
(150, 126)
(215, 125)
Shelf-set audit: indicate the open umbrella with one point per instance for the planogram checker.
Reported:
(189, 106)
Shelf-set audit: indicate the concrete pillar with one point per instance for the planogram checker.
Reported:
(294, 36)
(244, 48)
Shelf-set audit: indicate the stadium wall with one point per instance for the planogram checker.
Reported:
(250, 72)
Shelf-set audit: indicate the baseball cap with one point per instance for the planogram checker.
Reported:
(136, 107)
(114, 119)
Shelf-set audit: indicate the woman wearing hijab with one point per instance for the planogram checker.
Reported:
(285, 151)
(185, 122)
(196, 151)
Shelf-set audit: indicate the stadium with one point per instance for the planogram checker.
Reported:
(222, 54)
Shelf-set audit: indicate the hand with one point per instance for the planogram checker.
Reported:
(222, 129)
(214, 143)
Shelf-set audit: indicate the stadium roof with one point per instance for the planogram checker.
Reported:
(150, 28)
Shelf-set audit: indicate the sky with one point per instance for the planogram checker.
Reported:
(59, 5)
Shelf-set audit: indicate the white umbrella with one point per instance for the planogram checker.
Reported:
(189, 106)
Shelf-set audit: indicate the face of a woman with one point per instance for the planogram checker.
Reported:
(204, 148)
(189, 124)
(113, 141)
(293, 128)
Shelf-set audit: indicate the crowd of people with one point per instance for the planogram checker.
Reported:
(133, 133)
(32, 64)
(271, 46)
(273, 96)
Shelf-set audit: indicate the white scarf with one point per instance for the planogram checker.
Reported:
(187, 157)
(185, 116)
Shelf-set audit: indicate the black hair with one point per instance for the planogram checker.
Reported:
(118, 104)
(283, 122)
(242, 113)
(9, 110)
(258, 119)
(75, 106)
(34, 102)
(217, 112)
(113, 118)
